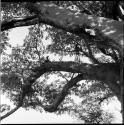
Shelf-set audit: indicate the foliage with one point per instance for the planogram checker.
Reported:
(17, 66)
(4, 107)
(3, 43)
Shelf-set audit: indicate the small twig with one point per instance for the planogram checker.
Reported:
(63, 76)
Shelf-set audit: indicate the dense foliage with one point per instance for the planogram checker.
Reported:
(20, 67)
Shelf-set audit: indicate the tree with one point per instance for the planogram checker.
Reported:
(93, 33)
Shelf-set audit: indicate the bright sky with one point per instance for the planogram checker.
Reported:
(17, 36)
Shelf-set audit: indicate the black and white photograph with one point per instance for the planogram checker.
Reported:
(61, 62)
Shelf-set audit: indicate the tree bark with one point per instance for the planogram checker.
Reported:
(107, 31)
(108, 73)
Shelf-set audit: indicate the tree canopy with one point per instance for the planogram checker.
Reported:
(77, 30)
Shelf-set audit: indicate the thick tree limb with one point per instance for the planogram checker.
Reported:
(107, 31)
(78, 23)
(90, 69)
(108, 73)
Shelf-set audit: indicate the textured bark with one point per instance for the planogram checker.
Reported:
(109, 32)
(76, 22)
(102, 71)
(108, 73)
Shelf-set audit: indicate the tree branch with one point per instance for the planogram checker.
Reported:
(76, 23)
(90, 54)
(9, 113)
(108, 73)
(74, 67)
(18, 22)
(62, 95)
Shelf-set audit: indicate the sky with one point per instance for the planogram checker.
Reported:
(17, 36)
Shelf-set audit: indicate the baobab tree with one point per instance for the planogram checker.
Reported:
(83, 32)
